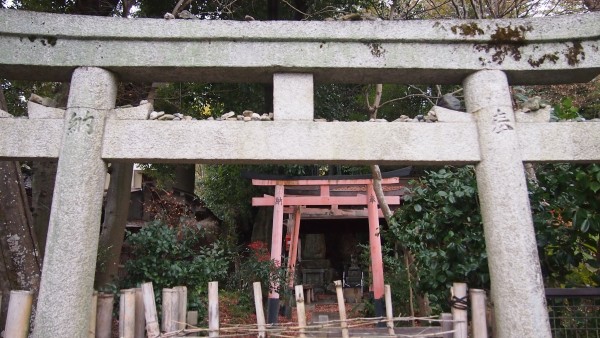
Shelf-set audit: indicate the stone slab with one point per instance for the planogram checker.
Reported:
(38, 111)
(140, 112)
(449, 115)
(540, 115)
(43, 46)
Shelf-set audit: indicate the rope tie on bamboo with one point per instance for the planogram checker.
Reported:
(458, 303)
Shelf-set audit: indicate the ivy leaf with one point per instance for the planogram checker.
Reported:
(417, 207)
(585, 225)
(595, 186)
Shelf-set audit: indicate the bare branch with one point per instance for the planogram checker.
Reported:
(181, 4)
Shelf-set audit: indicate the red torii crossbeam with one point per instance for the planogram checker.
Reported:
(297, 205)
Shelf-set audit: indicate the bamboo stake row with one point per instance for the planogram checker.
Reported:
(138, 315)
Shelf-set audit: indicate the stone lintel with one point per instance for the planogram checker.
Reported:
(21, 139)
(539, 142)
(559, 141)
(43, 46)
(290, 142)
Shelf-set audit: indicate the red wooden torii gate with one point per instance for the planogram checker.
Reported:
(298, 205)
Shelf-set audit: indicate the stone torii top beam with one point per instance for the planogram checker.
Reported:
(41, 46)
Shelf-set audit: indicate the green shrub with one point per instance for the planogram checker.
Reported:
(167, 258)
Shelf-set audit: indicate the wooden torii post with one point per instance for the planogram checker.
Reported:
(297, 205)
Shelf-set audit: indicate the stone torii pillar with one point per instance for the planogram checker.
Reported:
(68, 273)
(516, 278)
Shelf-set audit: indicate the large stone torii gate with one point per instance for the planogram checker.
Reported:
(485, 56)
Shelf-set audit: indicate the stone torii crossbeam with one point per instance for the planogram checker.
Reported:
(94, 53)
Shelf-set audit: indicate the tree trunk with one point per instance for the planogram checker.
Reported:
(20, 261)
(42, 189)
(113, 229)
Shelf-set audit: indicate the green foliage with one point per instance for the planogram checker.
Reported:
(170, 257)
(565, 204)
(201, 100)
(257, 266)
(225, 192)
(565, 110)
(339, 102)
(441, 225)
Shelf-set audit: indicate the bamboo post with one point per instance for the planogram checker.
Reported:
(127, 313)
(260, 312)
(93, 309)
(478, 313)
(301, 310)
(182, 301)
(459, 310)
(447, 325)
(213, 309)
(140, 320)
(389, 314)
(18, 315)
(341, 308)
(167, 310)
(174, 310)
(104, 315)
(150, 311)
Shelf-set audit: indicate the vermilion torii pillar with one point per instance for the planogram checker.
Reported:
(280, 201)
(375, 250)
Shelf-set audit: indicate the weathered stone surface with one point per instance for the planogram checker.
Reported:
(26, 134)
(4, 114)
(38, 111)
(166, 117)
(538, 115)
(448, 115)
(155, 115)
(72, 242)
(140, 112)
(44, 101)
(559, 142)
(517, 288)
(412, 51)
(293, 97)
(227, 115)
(448, 101)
